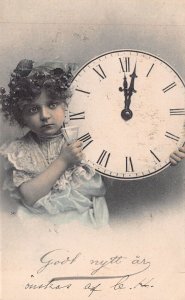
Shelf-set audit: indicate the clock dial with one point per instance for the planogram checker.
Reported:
(130, 108)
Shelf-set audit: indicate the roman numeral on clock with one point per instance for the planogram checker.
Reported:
(77, 116)
(128, 164)
(100, 72)
(177, 111)
(155, 155)
(104, 158)
(126, 65)
(172, 136)
(169, 87)
(82, 91)
(86, 139)
(150, 70)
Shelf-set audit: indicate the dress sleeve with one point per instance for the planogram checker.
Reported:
(13, 158)
(20, 177)
(8, 184)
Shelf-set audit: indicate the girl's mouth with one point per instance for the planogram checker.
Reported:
(47, 125)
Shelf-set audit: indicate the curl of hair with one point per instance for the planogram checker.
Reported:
(26, 83)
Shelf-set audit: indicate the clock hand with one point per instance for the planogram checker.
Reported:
(125, 90)
(131, 89)
(126, 113)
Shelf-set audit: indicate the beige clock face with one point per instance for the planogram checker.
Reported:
(130, 108)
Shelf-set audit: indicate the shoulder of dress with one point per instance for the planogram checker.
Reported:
(23, 154)
(25, 140)
(14, 146)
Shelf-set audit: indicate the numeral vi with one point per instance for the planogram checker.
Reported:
(128, 164)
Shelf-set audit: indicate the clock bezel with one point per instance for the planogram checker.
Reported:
(127, 50)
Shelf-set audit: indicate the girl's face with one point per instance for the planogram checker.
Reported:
(44, 116)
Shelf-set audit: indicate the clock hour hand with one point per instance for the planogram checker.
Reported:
(131, 88)
(125, 90)
(126, 113)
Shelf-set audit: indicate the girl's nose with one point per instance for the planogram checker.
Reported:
(44, 114)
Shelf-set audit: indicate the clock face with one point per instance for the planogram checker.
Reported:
(129, 106)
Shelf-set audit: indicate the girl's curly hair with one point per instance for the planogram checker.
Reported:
(26, 83)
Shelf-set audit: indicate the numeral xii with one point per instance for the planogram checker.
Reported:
(125, 64)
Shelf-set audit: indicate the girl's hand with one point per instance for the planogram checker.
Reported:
(177, 156)
(72, 154)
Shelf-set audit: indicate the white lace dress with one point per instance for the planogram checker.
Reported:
(77, 194)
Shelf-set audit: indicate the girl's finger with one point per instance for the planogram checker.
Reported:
(182, 149)
(179, 154)
(77, 144)
(76, 150)
(173, 162)
(175, 157)
(83, 155)
(65, 145)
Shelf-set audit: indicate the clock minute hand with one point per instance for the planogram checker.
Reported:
(125, 89)
(131, 88)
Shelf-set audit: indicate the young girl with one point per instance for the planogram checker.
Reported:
(46, 173)
(41, 164)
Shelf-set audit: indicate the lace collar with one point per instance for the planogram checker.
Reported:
(49, 139)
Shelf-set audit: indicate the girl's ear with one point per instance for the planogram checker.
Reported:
(66, 118)
(64, 105)
(24, 124)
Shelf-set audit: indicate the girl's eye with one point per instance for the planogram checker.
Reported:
(33, 110)
(53, 105)
(30, 110)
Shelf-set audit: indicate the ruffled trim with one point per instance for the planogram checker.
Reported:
(10, 187)
(19, 155)
(14, 153)
(20, 177)
(82, 173)
(75, 177)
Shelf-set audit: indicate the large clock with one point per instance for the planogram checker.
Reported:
(130, 107)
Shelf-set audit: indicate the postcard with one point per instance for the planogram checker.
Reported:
(94, 210)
